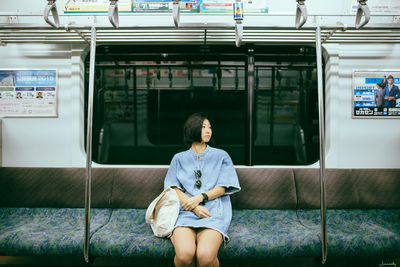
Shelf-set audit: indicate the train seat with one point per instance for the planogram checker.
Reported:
(358, 232)
(46, 231)
(264, 224)
(39, 216)
(275, 215)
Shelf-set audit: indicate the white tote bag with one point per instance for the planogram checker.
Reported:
(163, 213)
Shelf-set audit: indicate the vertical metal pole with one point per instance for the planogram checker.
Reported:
(135, 110)
(271, 114)
(250, 105)
(89, 145)
(321, 144)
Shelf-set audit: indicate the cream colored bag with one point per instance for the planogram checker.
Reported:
(163, 213)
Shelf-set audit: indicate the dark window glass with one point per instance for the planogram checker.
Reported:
(143, 95)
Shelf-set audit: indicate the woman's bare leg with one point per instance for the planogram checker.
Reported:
(184, 240)
(208, 243)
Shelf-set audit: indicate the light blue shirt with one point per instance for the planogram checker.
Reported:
(217, 170)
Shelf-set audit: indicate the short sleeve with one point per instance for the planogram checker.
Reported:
(171, 178)
(228, 177)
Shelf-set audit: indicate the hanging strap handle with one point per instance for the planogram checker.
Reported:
(51, 7)
(176, 12)
(362, 9)
(113, 13)
(238, 17)
(301, 14)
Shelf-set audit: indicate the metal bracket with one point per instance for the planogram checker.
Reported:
(362, 9)
(301, 14)
(2, 43)
(176, 12)
(51, 6)
(113, 13)
(238, 17)
(12, 19)
(77, 31)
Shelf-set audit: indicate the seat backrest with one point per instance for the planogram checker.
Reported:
(262, 188)
(349, 188)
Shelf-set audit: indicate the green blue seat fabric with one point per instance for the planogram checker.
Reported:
(254, 234)
(276, 214)
(264, 234)
(270, 233)
(128, 235)
(355, 232)
(46, 231)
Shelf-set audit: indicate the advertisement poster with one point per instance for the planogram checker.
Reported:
(376, 94)
(28, 93)
(380, 6)
(161, 6)
(225, 6)
(88, 6)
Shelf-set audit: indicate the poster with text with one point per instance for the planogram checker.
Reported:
(165, 6)
(91, 6)
(376, 94)
(225, 6)
(379, 6)
(28, 93)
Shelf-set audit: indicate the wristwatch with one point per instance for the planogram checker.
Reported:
(205, 198)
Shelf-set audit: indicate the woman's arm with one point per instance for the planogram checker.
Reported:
(182, 196)
(214, 193)
(193, 202)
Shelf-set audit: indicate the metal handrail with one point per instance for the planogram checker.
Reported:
(362, 9)
(113, 13)
(321, 143)
(301, 14)
(51, 6)
(202, 26)
(88, 191)
(176, 12)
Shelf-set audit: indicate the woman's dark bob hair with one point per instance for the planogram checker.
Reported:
(192, 128)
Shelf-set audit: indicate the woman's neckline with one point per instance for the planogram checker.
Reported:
(202, 153)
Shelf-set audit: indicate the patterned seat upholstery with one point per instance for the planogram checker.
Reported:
(46, 231)
(254, 234)
(355, 232)
(270, 233)
(128, 235)
(275, 215)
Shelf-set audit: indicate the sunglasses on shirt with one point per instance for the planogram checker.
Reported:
(197, 173)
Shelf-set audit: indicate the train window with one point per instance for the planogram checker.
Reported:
(143, 94)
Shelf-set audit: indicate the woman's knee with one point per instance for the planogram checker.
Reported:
(184, 240)
(205, 257)
(185, 254)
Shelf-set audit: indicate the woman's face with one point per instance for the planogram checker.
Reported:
(206, 131)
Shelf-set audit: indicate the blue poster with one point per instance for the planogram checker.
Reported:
(28, 93)
(35, 78)
(376, 94)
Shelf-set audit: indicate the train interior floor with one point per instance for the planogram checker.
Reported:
(69, 261)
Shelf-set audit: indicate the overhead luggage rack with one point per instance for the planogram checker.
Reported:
(10, 33)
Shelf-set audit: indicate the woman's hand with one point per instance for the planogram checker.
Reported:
(202, 212)
(192, 202)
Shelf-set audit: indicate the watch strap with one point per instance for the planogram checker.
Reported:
(205, 198)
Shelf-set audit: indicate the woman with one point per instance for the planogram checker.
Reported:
(203, 178)
(379, 96)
